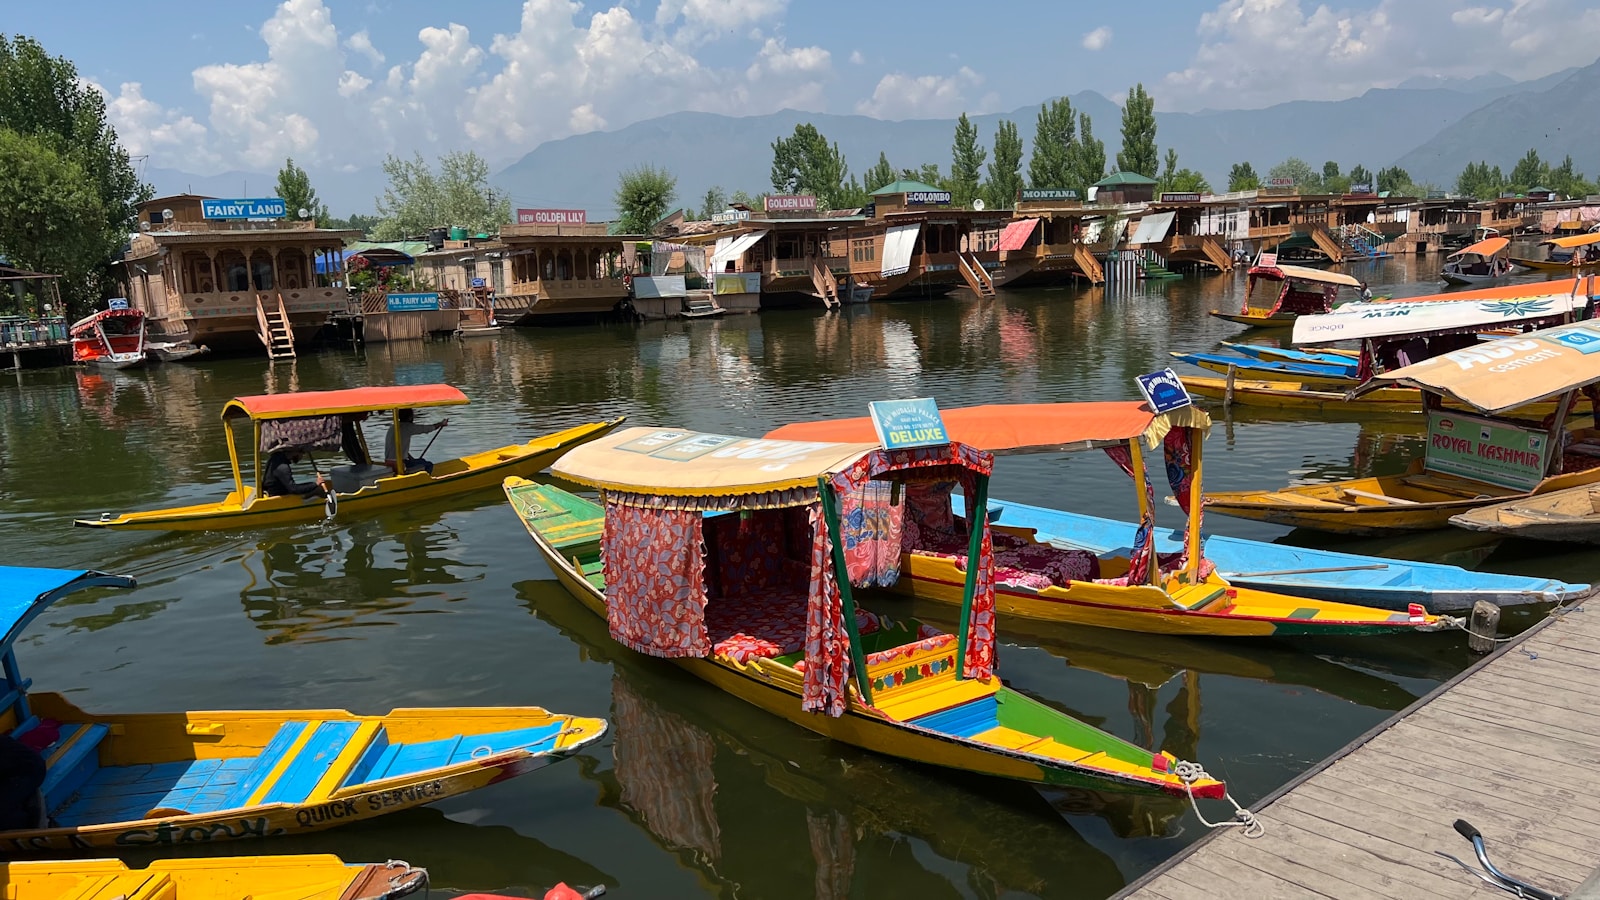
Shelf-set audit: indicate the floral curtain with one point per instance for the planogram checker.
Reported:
(827, 641)
(308, 433)
(1144, 538)
(870, 528)
(1177, 451)
(655, 580)
(664, 766)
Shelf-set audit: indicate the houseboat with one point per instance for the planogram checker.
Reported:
(915, 244)
(1054, 239)
(1435, 223)
(799, 253)
(1178, 227)
(1509, 214)
(111, 338)
(561, 265)
(233, 273)
(1295, 226)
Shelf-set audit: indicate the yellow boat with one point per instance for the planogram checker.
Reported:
(1312, 397)
(724, 554)
(1469, 461)
(1582, 255)
(298, 877)
(1282, 293)
(159, 780)
(1130, 591)
(315, 420)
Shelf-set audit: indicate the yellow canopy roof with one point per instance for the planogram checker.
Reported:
(1504, 374)
(1303, 273)
(1575, 240)
(676, 462)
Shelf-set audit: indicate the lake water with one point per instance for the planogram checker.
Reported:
(693, 793)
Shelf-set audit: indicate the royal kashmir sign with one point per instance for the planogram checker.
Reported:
(1030, 194)
(1164, 391)
(552, 217)
(908, 423)
(258, 208)
(413, 302)
(789, 202)
(1486, 450)
(927, 198)
(1180, 197)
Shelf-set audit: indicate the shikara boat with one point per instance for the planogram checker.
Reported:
(314, 420)
(1571, 516)
(163, 779)
(174, 351)
(729, 556)
(110, 339)
(1470, 461)
(1328, 356)
(1480, 263)
(1136, 591)
(1573, 253)
(1373, 581)
(297, 877)
(1276, 295)
(1334, 374)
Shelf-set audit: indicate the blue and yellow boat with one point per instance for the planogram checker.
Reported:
(297, 877)
(169, 779)
(725, 554)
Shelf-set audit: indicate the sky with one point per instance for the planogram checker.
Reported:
(206, 87)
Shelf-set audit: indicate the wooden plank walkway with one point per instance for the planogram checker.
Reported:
(1512, 745)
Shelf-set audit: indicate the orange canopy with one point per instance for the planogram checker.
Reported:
(1020, 426)
(1576, 240)
(1485, 247)
(327, 403)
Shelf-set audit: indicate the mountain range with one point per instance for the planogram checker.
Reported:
(1430, 127)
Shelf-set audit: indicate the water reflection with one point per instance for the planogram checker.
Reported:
(743, 804)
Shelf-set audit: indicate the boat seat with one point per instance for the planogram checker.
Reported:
(382, 759)
(253, 778)
(313, 760)
(349, 479)
(70, 761)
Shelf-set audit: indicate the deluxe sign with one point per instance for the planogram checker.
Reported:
(413, 302)
(552, 217)
(1048, 194)
(1163, 391)
(1180, 197)
(927, 198)
(908, 423)
(1486, 450)
(117, 303)
(258, 208)
(789, 202)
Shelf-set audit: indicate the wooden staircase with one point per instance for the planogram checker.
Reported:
(826, 286)
(1216, 253)
(1090, 266)
(1362, 242)
(976, 276)
(272, 326)
(1327, 242)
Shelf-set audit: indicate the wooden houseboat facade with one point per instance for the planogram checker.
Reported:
(917, 245)
(1509, 215)
(562, 270)
(1178, 228)
(1435, 223)
(802, 258)
(1053, 239)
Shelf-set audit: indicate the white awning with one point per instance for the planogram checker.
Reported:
(897, 246)
(730, 249)
(1153, 228)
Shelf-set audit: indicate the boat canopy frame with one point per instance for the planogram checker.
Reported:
(24, 594)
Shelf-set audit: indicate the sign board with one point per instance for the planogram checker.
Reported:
(908, 423)
(1180, 197)
(927, 198)
(1163, 391)
(730, 215)
(117, 303)
(736, 283)
(412, 302)
(1362, 188)
(1437, 195)
(788, 202)
(1267, 260)
(1047, 194)
(552, 217)
(479, 282)
(1280, 182)
(258, 208)
(1486, 450)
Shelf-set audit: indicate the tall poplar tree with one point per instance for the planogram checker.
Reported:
(966, 164)
(1050, 165)
(1138, 153)
(1088, 158)
(1005, 171)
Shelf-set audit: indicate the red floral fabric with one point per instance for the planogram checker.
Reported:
(933, 642)
(749, 553)
(655, 580)
(824, 688)
(763, 627)
(871, 530)
(1144, 538)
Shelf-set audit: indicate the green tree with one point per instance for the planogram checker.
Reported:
(929, 175)
(1138, 153)
(416, 199)
(1243, 177)
(1180, 180)
(1361, 175)
(966, 163)
(1005, 172)
(1088, 159)
(1481, 181)
(1567, 181)
(356, 222)
(805, 163)
(879, 175)
(53, 217)
(715, 201)
(643, 196)
(1299, 173)
(294, 186)
(1392, 178)
(42, 97)
(1054, 134)
(1529, 172)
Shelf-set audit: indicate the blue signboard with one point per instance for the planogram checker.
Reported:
(908, 423)
(478, 282)
(413, 302)
(117, 303)
(258, 208)
(1163, 391)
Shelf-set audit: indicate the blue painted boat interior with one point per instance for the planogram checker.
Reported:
(1310, 356)
(1245, 363)
(965, 720)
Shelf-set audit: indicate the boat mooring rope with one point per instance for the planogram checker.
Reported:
(484, 751)
(1189, 773)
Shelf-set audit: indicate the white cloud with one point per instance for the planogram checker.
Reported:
(361, 42)
(718, 15)
(902, 96)
(352, 83)
(1258, 52)
(1097, 39)
(856, 58)
(146, 128)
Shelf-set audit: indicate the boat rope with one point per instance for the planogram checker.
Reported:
(408, 880)
(1555, 612)
(485, 750)
(1190, 772)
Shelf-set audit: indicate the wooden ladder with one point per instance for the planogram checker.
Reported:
(272, 326)
(1216, 253)
(823, 281)
(976, 277)
(1327, 243)
(1091, 267)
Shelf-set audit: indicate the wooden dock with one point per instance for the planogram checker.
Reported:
(1512, 745)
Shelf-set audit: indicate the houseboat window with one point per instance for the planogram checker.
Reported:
(238, 277)
(789, 248)
(261, 269)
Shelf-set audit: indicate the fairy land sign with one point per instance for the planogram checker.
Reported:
(1485, 450)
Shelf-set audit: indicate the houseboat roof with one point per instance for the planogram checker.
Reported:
(904, 186)
(1118, 179)
(296, 404)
